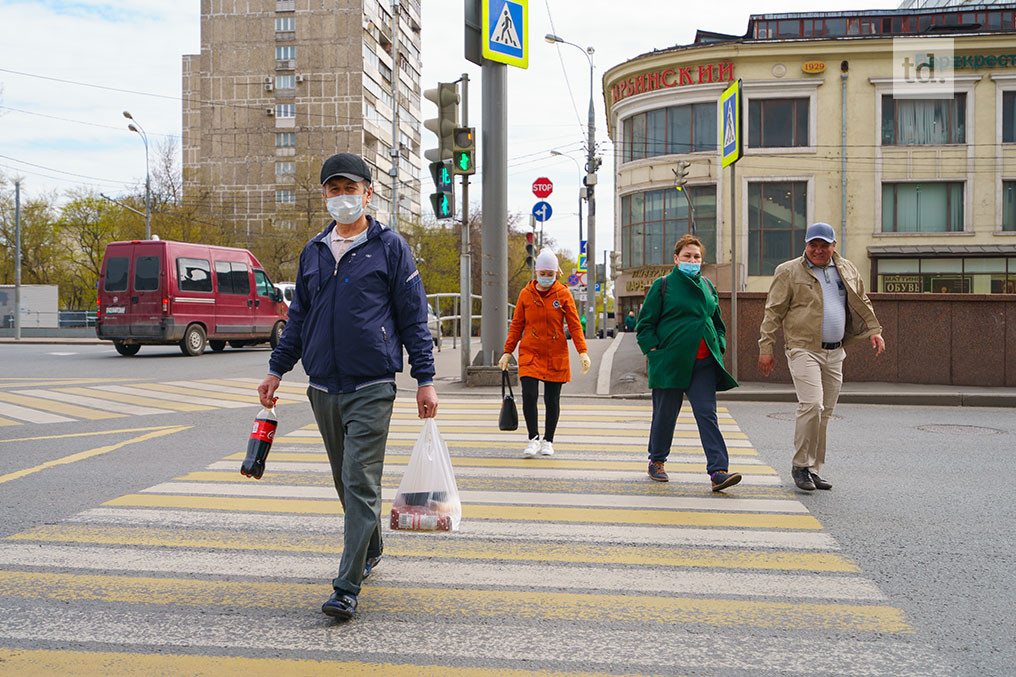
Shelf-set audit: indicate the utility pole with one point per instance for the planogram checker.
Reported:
(592, 164)
(494, 284)
(17, 260)
(393, 173)
(465, 258)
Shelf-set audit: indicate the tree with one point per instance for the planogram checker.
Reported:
(89, 222)
(40, 236)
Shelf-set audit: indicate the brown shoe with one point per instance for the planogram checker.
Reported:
(657, 472)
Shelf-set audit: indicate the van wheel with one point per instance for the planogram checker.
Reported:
(277, 333)
(217, 346)
(193, 341)
(126, 349)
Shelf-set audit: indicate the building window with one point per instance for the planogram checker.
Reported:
(651, 222)
(977, 275)
(285, 140)
(1008, 117)
(777, 219)
(285, 197)
(777, 123)
(1009, 205)
(285, 168)
(287, 52)
(923, 121)
(285, 24)
(285, 110)
(676, 129)
(922, 207)
(285, 82)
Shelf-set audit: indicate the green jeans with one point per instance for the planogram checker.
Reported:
(354, 427)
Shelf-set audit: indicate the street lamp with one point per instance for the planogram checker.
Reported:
(592, 164)
(135, 126)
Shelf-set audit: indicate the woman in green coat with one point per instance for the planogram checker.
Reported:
(680, 329)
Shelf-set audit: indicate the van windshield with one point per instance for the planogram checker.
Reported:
(116, 274)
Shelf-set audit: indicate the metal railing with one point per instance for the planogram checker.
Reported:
(454, 316)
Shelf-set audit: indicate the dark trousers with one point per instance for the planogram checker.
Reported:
(551, 402)
(667, 405)
(354, 427)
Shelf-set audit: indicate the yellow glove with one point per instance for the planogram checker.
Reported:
(586, 362)
(503, 362)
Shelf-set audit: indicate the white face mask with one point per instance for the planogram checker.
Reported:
(345, 209)
(545, 281)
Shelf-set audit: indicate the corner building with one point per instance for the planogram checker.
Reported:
(279, 86)
(921, 190)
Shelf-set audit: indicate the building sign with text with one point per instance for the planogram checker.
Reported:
(637, 281)
(665, 78)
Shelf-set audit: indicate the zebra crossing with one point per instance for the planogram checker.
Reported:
(570, 564)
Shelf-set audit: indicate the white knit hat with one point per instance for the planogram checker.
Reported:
(547, 260)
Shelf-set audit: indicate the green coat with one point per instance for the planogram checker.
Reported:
(691, 312)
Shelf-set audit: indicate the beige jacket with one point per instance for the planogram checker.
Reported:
(795, 302)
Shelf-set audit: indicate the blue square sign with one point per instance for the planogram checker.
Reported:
(506, 32)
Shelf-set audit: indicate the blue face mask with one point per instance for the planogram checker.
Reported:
(545, 281)
(688, 268)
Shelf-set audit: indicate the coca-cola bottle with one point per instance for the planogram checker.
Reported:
(260, 443)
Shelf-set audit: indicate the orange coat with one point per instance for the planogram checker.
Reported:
(539, 323)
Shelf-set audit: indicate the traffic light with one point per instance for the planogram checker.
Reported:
(681, 174)
(615, 264)
(530, 251)
(446, 96)
(463, 151)
(442, 204)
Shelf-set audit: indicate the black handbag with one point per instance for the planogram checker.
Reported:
(509, 417)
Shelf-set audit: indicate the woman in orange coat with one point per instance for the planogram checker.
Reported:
(540, 313)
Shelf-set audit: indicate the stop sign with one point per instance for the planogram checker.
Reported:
(542, 187)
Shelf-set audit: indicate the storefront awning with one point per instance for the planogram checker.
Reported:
(941, 250)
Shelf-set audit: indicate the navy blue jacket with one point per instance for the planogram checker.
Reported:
(349, 319)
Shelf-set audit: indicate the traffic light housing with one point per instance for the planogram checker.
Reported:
(442, 174)
(681, 175)
(446, 96)
(615, 264)
(443, 205)
(464, 151)
(530, 250)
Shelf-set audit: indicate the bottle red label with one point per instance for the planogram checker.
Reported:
(263, 430)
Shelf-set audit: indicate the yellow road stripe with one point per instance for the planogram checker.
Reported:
(44, 663)
(555, 463)
(600, 432)
(516, 445)
(463, 548)
(58, 407)
(134, 399)
(179, 390)
(495, 512)
(7, 421)
(89, 434)
(462, 605)
(81, 455)
(283, 388)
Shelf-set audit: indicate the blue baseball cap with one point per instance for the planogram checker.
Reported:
(820, 231)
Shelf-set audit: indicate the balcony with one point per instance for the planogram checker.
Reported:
(285, 64)
(285, 5)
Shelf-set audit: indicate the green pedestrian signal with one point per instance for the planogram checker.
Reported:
(442, 204)
(463, 148)
(442, 175)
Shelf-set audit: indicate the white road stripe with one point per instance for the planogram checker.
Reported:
(32, 415)
(516, 437)
(94, 403)
(174, 397)
(508, 530)
(309, 452)
(212, 388)
(718, 503)
(588, 426)
(453, 573)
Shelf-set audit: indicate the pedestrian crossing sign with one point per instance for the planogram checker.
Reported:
(730, 139)
(506, 32)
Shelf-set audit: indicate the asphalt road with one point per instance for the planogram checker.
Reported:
(157, 556)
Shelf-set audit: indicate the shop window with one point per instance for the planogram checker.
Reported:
(1009, 206)
(651, 222)
(777, 220)
(923, 121)
(1008, 117)
(688, 128)
(777, 123)
(922, 207)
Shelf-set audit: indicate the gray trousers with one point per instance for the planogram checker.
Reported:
(818, 375)
(354, 427)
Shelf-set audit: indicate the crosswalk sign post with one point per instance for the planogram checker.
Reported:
(505, 32)
(730, 145)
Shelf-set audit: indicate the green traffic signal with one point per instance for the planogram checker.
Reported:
(463, 161)
(442, 204)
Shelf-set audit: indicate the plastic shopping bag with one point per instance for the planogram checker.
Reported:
(428, 498)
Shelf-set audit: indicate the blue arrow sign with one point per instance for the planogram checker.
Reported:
(542, 211)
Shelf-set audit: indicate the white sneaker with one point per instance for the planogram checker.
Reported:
(532, 447)
(547, 449)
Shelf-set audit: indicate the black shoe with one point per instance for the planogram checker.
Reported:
(369, 566)
(341, 605)
(722, 479)
(657, 472)
(802, 478)
(819, 482)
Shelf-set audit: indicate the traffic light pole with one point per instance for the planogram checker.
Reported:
(393, 173)
(591, 166)
(465, 259)
(494, 282)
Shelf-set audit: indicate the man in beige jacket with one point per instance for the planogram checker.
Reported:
(820, 302)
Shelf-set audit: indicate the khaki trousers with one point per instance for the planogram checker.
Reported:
(818, 375)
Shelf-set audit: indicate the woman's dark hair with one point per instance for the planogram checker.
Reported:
(686, 240)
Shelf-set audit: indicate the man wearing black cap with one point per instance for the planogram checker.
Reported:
(358, 301)
(819, 301)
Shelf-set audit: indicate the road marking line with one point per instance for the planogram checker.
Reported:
(81, 455)
(119, 407)
(497, 512)
(56, 407)
(134, 399)
(34, 415)
(156, 391)
(457, 603)
(7, 421)
(516, 446)
(88, 434)
(250, 399)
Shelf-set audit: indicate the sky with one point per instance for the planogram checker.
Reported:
(57, 136)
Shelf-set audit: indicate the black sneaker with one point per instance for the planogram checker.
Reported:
(819, 482)
(341, 605)
(657, 472)
(802, 478)
(369, 566)
(722, 479)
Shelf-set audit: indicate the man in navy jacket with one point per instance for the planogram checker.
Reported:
(358, 301)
